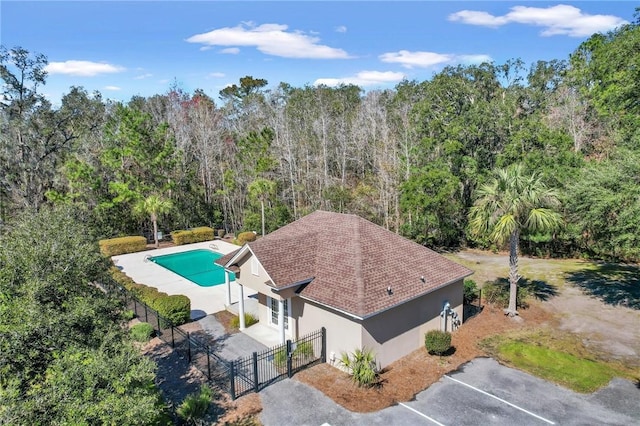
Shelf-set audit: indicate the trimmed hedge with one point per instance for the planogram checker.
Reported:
(122, 245)
(246, 237)
(195, 235)
(175, 308)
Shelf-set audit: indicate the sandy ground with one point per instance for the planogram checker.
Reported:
(612, 330)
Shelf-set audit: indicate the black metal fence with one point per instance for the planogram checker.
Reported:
(259, 370)
(237, 377)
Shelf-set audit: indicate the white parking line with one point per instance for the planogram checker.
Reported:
(501, 400)
(421, 414)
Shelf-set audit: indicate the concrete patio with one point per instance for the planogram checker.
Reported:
(204, 300)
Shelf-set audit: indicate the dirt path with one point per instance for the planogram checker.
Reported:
(610, 329)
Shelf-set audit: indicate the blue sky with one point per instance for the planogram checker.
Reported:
(140, 48)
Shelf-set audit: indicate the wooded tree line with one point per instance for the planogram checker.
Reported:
(409, 159)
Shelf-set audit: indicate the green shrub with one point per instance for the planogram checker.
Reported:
(175, 308)
(246, 237)
(497, 293)
(128, 315)
(280, 358)
(195, 235)
(304, 350)
(196, 405)
(437, 342)
(470, 291)
(362, 367)
(122, 245)
(249, 320)
(142, 332)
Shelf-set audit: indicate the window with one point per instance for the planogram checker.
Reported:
(274, 307)
(255, 266)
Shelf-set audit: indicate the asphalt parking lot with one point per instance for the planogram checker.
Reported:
(482, 392)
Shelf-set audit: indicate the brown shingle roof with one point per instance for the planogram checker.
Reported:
(352, 262)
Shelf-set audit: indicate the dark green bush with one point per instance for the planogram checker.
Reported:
(497, 293)
(142, 332)
(248, 320)
(470, 291)
(437, 342)
(122, 245)
(175, 308)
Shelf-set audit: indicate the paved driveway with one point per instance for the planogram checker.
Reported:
(482, 392)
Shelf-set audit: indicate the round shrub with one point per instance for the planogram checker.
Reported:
(437, 342)
(246, 237)
(142, 332)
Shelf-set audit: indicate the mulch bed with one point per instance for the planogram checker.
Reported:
(403, 379)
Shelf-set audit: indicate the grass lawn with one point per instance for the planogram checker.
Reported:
(580, 355)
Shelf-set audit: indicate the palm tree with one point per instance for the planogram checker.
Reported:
(153, 206)
(512, 202)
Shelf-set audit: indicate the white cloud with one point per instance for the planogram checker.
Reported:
(561, 19)
(363, 78)
(142, 76)
(430, 59)
(82, 68)
(270, 39)
(473, 59)
(112, 88)
(230, 50)
(217, 75)
(415, 59)
(341, 29)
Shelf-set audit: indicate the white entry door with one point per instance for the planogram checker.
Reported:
(273, 306)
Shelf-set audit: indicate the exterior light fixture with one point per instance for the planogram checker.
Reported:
(389, 291)
(422, 278)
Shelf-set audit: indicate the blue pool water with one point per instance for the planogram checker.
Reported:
(195, 265)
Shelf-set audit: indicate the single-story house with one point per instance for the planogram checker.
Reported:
(369, 287)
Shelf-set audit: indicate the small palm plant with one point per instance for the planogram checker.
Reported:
(362, 366)
(196, 406)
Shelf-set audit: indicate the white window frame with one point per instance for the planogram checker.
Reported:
(272, 313)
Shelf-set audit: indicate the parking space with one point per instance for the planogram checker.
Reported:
(482, 392)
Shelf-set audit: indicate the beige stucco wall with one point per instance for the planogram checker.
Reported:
(399, 331)
(343, 334)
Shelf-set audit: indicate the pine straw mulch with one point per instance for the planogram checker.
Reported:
(403, 379)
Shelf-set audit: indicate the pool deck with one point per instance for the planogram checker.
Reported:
(204, 300)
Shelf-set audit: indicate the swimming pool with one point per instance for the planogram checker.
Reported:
(195, 265)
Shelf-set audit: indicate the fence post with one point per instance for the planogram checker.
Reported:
(232, 379)
(289, 357)
(480, 298)
(146, 319)
(173, 341)
(323, 351)
(188, 347)
(135, 307)
(158, 321)
(256, 381)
